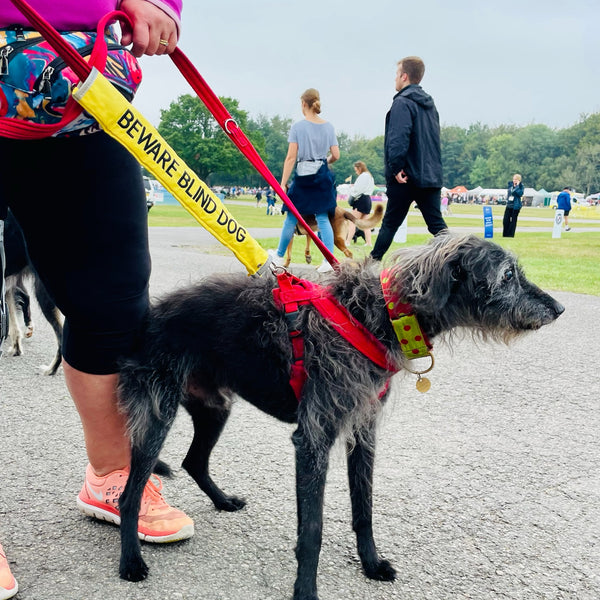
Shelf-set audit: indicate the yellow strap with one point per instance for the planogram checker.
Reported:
(123, 122)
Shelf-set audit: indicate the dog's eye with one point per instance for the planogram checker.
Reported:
(508, 274)
(458, 273)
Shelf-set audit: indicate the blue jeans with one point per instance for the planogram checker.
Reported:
(289, 225)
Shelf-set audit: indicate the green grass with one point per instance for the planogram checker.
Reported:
(570, 263)
(176, 216)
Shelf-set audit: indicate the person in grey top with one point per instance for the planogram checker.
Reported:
(312, 147)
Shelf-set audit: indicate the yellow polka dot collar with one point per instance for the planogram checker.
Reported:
(413, 340)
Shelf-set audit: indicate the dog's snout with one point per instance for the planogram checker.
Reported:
(559, 309)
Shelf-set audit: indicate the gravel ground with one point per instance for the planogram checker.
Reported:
(487, 487)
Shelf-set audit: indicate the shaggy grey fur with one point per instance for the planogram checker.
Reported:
(225, 337)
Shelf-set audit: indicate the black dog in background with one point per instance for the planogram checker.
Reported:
(225, 336)
(18, 270)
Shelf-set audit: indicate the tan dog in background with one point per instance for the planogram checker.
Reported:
(339, 223)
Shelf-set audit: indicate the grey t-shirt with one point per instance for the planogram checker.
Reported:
(313, 139)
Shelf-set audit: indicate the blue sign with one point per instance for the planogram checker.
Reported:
(488, 222)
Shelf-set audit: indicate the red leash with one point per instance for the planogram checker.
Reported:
(82, 69)
(293, 293)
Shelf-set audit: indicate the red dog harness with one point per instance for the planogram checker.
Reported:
(293, 293)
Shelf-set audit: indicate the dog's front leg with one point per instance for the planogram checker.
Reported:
(361, 458)
(311, 471)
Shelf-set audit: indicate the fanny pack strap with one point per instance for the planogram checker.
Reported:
(25, 130)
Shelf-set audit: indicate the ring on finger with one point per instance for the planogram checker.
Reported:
(163, 42)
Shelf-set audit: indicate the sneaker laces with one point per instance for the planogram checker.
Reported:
(153, 490)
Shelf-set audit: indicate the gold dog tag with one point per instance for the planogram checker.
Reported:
(423, 384)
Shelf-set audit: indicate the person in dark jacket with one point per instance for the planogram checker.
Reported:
(412, 156)
(514, 202)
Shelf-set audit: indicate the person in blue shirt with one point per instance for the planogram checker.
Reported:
(564, 203)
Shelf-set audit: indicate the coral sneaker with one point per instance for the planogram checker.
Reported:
(8, 584)
(158, 522)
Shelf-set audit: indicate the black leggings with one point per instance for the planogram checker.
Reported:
(81, 204)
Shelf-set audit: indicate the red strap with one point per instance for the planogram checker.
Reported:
(25, 130)
(298, 374)
(353, 331)
(289, 296)
(294, 292)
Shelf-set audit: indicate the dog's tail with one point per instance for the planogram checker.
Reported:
(373, 220)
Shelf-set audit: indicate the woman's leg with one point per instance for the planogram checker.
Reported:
(89, 243)
(368, 241)
(513, 223)
(506, 222)
(350, 233)
(326, 230)
(88, 240)
(104, 426)
(352, 226)
(287, 233)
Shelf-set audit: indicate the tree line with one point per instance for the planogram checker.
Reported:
(478, 155)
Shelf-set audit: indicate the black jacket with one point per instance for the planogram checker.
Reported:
(412, 138)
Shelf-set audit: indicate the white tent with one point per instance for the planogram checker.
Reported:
(540, 197)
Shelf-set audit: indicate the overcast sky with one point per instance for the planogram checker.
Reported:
(512, 62)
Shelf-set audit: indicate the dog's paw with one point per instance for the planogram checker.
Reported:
(29, 331)
(380, 571)
(230, 503)
(133, 569)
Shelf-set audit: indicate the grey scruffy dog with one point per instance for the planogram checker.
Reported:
(225, 336)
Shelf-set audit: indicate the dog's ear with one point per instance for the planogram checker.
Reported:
(428, 275)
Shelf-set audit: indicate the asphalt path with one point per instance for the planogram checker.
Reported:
(486, 488)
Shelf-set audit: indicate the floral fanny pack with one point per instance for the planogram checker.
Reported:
(36, 84)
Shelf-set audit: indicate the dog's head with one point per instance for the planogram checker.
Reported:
(465, 281)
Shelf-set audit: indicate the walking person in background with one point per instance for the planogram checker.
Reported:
(360, 199)
(270, 201)
(412, 156)
(514, 202)
(564, 203)
(313, 146)
(88, 241)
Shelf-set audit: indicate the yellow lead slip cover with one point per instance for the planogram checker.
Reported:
(124, 123)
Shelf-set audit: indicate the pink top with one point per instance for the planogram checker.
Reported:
(74, 15)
